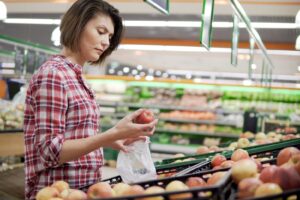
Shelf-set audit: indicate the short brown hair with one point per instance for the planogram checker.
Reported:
(79, 14)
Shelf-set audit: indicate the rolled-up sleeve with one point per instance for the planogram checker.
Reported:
(49, 108)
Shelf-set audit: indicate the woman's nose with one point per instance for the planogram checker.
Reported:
(105, 41)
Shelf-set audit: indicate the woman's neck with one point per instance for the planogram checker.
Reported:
(72, 57)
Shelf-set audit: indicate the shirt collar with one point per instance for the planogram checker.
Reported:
(77, 68)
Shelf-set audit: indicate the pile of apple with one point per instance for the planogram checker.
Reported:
(256, 180)
(60, 190)
(248, 139)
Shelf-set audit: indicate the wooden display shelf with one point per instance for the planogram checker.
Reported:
(12, 144)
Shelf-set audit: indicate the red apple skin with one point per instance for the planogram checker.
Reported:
(267, 173)
(217, 160)
(195, 182)
(215, 178)
(287, 177)
(145, 117)
(267, 189)
(241, 169)
(239, 154)
(227, 163)
(247, 187)
(202, 150)
(285, 155)
(295, 161)
(100, 190)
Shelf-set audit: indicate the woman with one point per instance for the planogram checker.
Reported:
(61, 114)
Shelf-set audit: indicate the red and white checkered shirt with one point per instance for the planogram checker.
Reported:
(59, 107)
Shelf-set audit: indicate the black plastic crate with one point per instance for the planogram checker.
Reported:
(258, 150)
(220, 191)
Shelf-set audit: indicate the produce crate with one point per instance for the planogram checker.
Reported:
(258, 151)
(220, 191)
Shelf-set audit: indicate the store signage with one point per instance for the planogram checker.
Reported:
(235, 40)
(207, 19)
(161, 5)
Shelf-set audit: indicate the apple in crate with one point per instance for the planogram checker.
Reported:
(100, 190)
(76, 195)
(177, 186)
(195, 182)
(239, 154)
(153, 190)
(241, 169)
(145, 117)
(47, 193)
(247, 187)
(267, 189)
(217, 160)
(285, 155)
(119, 188)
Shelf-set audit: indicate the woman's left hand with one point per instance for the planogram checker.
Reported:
(122, 145)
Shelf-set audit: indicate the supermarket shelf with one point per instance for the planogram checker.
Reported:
(168, 148)
(282, 122)
(11, 131)
(165, 107)
(215, 122)
(200, 133)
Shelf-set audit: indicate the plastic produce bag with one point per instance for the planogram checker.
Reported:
(137, 165)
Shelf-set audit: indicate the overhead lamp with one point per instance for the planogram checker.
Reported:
(55, 36)
(297, 21)
(297, 46)
(3, 11)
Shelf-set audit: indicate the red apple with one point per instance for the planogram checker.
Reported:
(100, 190)
(176, 186)
(215, 178)
(76, 195)
(239, 154)
(241, 169)
(267, 173)
(153, 190)
(47, 193)
(145, 117)
(267, 189)
(202, 150)
(60, 185)
(195, 182)
(295, 161)
(134, 190)
(217, 160)
(247, 187)
(285, 154)
(287, 177)
(227, 163)
(243, 142)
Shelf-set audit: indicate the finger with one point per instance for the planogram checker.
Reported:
(124, 148)
(136, 113)
(130, 141)
(148, 127)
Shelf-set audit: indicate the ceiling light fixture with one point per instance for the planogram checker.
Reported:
(297, 21)
(55, 36)
(3, 11)
(140, 23)
(199, 49)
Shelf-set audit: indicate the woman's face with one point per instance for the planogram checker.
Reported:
(95, 38)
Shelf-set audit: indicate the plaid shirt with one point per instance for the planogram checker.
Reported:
(59, 107)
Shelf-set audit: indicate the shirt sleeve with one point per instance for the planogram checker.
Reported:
(50, 106)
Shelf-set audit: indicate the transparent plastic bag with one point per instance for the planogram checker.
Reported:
(137, 165)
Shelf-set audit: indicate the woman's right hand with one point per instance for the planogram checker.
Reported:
(126, 128)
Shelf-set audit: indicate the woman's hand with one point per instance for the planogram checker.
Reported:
(122, 145)
(125, 128)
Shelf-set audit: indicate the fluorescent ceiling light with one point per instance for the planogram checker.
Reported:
(136, 23)
(3, 11)
(200, 49)
(32, 21)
